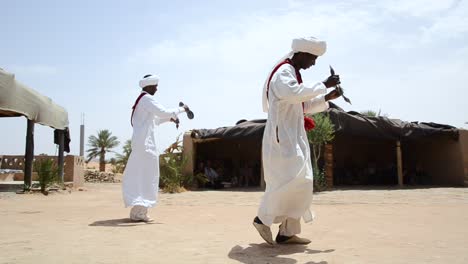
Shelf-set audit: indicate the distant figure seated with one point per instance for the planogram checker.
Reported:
(246, 175)
(211, 174)
(213, 177)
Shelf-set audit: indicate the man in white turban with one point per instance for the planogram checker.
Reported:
(285, 148)
(141, 176)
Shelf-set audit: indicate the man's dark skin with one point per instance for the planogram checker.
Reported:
(303, 60)
(151, 89)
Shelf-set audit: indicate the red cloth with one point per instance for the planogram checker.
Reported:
(309, 123)
(134, 106)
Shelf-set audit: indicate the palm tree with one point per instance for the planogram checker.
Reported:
(123, 158)
(101, 144)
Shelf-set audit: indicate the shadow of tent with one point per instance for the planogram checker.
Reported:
(122, 222)
(264, 253)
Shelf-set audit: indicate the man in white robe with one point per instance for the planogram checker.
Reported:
(285, 148)
(140, 182)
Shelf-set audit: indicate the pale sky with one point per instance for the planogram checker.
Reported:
(406, 58)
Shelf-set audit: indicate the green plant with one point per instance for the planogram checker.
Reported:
(372, 113)
(200, 179)
(101, 144)
(320, 182)
(47, 172)
(320, 135)
(122, 159)
(118, 168)
(172, 178)
(175, 147)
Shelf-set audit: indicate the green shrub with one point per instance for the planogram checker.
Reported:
(320, 182)
(322, 133)
(172, 178)
(47, 172)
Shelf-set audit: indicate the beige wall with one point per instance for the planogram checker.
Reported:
(187, 153)
(73, 167)
(74, 170)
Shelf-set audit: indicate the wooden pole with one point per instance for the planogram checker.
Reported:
(29, 156)
(60, 161)
(399, 163)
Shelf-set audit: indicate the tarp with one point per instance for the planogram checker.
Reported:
(16, 99)
(356, 124)
(345, 123)
(248, 129)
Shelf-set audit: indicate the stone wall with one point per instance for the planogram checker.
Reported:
(73, 167)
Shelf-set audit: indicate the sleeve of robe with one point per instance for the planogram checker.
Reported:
(316, 105)
(160, 121)
(286, 87)
(157, 109)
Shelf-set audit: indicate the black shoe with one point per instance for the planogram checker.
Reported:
(280, 239)
(263, 230)
(291, 240)
(257, 220)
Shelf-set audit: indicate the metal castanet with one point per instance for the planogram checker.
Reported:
(190, 114)
(339, 89)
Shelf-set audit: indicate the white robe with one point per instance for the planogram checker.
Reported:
(141, 176)
(285, 148)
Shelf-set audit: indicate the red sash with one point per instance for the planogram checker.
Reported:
(134, 106)
(309, 123)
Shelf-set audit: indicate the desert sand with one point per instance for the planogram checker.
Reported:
(352, 226)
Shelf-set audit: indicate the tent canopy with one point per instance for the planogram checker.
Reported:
(16, 99)
(345, 123)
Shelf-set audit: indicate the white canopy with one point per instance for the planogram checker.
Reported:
(16, 99)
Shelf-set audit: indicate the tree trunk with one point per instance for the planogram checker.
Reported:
(102, 161)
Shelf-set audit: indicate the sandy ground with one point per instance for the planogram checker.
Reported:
(352, 226)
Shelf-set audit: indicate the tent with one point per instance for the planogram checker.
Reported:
(17, 99)
(402, 142)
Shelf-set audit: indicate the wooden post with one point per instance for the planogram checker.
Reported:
(399, 163)
(60, 161)
(189, 154)
(328, 156)
(29, 156)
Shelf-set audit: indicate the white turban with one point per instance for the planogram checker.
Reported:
(309, 45)
(149, 80)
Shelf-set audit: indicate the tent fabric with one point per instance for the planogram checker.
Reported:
(345, 123)
(16, 99)
(246, 129)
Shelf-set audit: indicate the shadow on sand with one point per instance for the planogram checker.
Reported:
(264, 253)
(122, 222)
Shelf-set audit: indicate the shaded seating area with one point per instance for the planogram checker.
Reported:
(365, 151)
(386, 151)
(235, 152)
(19, 100)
